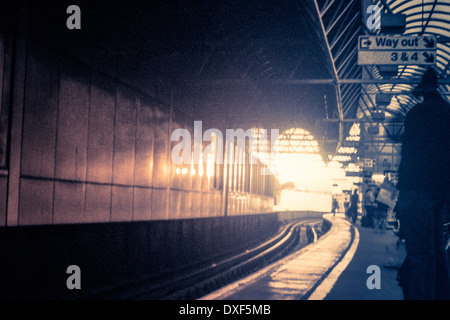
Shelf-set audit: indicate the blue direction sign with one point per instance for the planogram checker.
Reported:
(397, 50)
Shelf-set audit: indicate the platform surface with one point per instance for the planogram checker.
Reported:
(333, 268)
(379, 249)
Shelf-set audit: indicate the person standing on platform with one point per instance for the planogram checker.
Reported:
(424, 189)
(353, 209)
(335, 206)
(370, 206)
(380, 217)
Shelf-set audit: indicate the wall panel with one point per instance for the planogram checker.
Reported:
(196, 202)
(101, 129)
(185, 205)
(40, 110)
(158, 204)
(124, 137)
(175, 204)
(215, 204)
(3, 199)
(36, 202)
(122, 203)
(142, 205)
(69, 202)
(98, 203)
(160, 165)
(72, 129)
(205, 204)
(144, 144)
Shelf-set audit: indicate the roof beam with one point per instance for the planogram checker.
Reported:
(414, 81)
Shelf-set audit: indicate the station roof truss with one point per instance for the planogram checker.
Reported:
(297, 141)
(241, 70)
(339, 23)
(339, 26)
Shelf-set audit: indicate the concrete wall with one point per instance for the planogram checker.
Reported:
(35, 258)
(94, 149)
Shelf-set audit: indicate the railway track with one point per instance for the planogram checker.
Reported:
(203, 281)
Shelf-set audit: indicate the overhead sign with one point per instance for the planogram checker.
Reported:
(397, 43)
(397, 50)
(368, 163)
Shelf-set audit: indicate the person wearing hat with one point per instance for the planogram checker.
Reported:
(424, 193)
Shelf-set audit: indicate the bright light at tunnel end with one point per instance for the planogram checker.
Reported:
(299, 161)
(292, 156)
(258, 146)
(302, 164)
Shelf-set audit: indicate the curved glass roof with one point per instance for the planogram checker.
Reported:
(358, 102)
(423, 17)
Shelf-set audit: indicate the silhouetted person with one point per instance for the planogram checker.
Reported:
(424, 192)
(380, 217)
(335, 206)
(353, 209)
(370, 206)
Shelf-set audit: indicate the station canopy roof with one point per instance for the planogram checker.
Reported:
(340, 23)
(273, 64)
(423, 17)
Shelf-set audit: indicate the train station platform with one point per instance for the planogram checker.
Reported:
(339, 266)
(374, 249)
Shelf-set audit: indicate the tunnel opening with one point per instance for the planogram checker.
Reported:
(306, 179)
